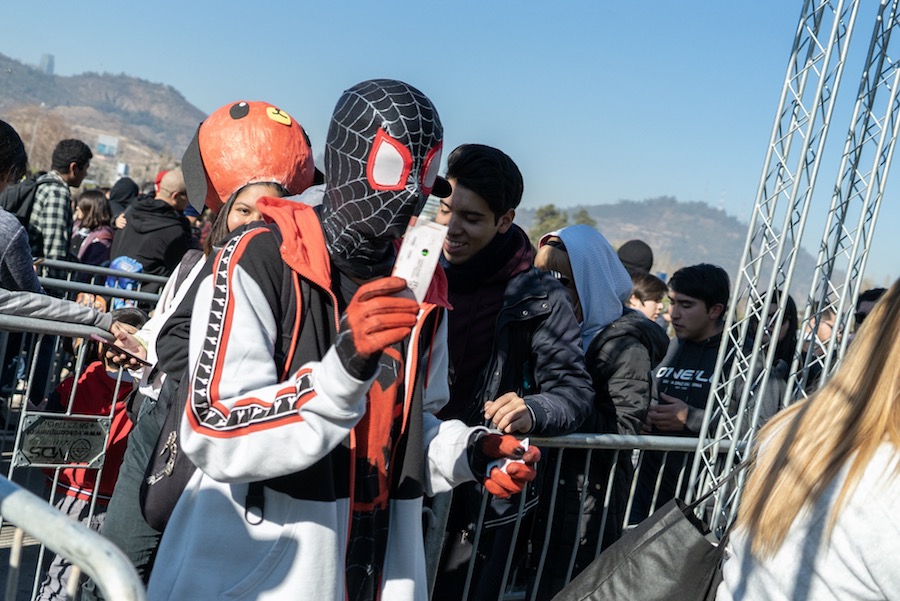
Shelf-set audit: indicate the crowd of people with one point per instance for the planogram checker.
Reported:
(294, 407)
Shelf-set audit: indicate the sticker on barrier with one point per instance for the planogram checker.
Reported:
(52, 440)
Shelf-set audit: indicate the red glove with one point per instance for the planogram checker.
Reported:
(491, 447)
(375, 319)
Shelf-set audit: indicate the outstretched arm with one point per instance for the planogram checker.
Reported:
(32, 304)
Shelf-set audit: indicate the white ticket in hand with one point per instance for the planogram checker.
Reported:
(504, 463)
(419, 254)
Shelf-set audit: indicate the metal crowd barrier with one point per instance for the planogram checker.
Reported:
(58, 275)
(529, 552)
(90, 552)
(16, 349)
(37, 446)
(532, 526)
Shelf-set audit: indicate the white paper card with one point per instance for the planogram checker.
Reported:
(419, 254)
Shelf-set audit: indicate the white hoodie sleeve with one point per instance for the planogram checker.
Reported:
(446, 460)
(242, 421)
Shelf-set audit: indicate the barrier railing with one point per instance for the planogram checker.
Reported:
(69, 266)
(607, 482)
(39, 446)
(87, 550)
(592, 487)
(64, 271)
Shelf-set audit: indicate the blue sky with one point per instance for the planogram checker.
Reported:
(597, 101)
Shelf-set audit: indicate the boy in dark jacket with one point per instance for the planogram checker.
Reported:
(699, 297)
(516, 362)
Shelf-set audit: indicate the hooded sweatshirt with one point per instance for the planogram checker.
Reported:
(157, 236)
(621, 346)
(298, 427)
(123, 193)
(602, 283)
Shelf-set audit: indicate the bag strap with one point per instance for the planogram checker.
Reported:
(190, 258)
(708, 494)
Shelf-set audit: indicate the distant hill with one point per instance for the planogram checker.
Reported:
(680, 233)
(153, 122)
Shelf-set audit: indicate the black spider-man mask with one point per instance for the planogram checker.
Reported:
(382, 157)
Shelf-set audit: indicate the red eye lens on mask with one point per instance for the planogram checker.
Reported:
(389, 163)
(430, 168)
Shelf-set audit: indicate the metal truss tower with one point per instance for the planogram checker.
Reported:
(784, 201)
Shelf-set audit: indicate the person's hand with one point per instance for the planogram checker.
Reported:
(670, 415)
(121, 222)
(125, 340)
(381, 313)
(509, 413)
(487, 448)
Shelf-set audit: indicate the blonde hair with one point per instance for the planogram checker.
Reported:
(806, 445)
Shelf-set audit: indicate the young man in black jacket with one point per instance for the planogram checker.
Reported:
(698, 300)
(698, 297)
(516, 362)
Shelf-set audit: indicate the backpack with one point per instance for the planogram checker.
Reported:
(18, 198)
(169, 469)
(129, 265)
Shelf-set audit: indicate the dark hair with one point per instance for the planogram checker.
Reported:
(148, 188)
(13, 158)
(130, 315)
(94, 208)
(826, 309)
(869, 296)
(219, 231)
(706, 282)
(785, 348)
(647, 287)
(68, 152)
(489, 173)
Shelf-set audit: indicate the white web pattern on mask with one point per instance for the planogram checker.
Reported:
(363, 215)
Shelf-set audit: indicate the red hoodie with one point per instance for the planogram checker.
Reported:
(93, 397)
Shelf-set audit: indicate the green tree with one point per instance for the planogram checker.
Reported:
(582, 217)
(547, 218)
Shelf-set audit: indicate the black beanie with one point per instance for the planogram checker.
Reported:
(636, 256)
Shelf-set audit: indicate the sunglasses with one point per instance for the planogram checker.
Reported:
(560, 278)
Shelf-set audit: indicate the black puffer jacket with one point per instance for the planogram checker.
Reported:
(157, 236)
(537, 354)
(513, 329)
(620, 360)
